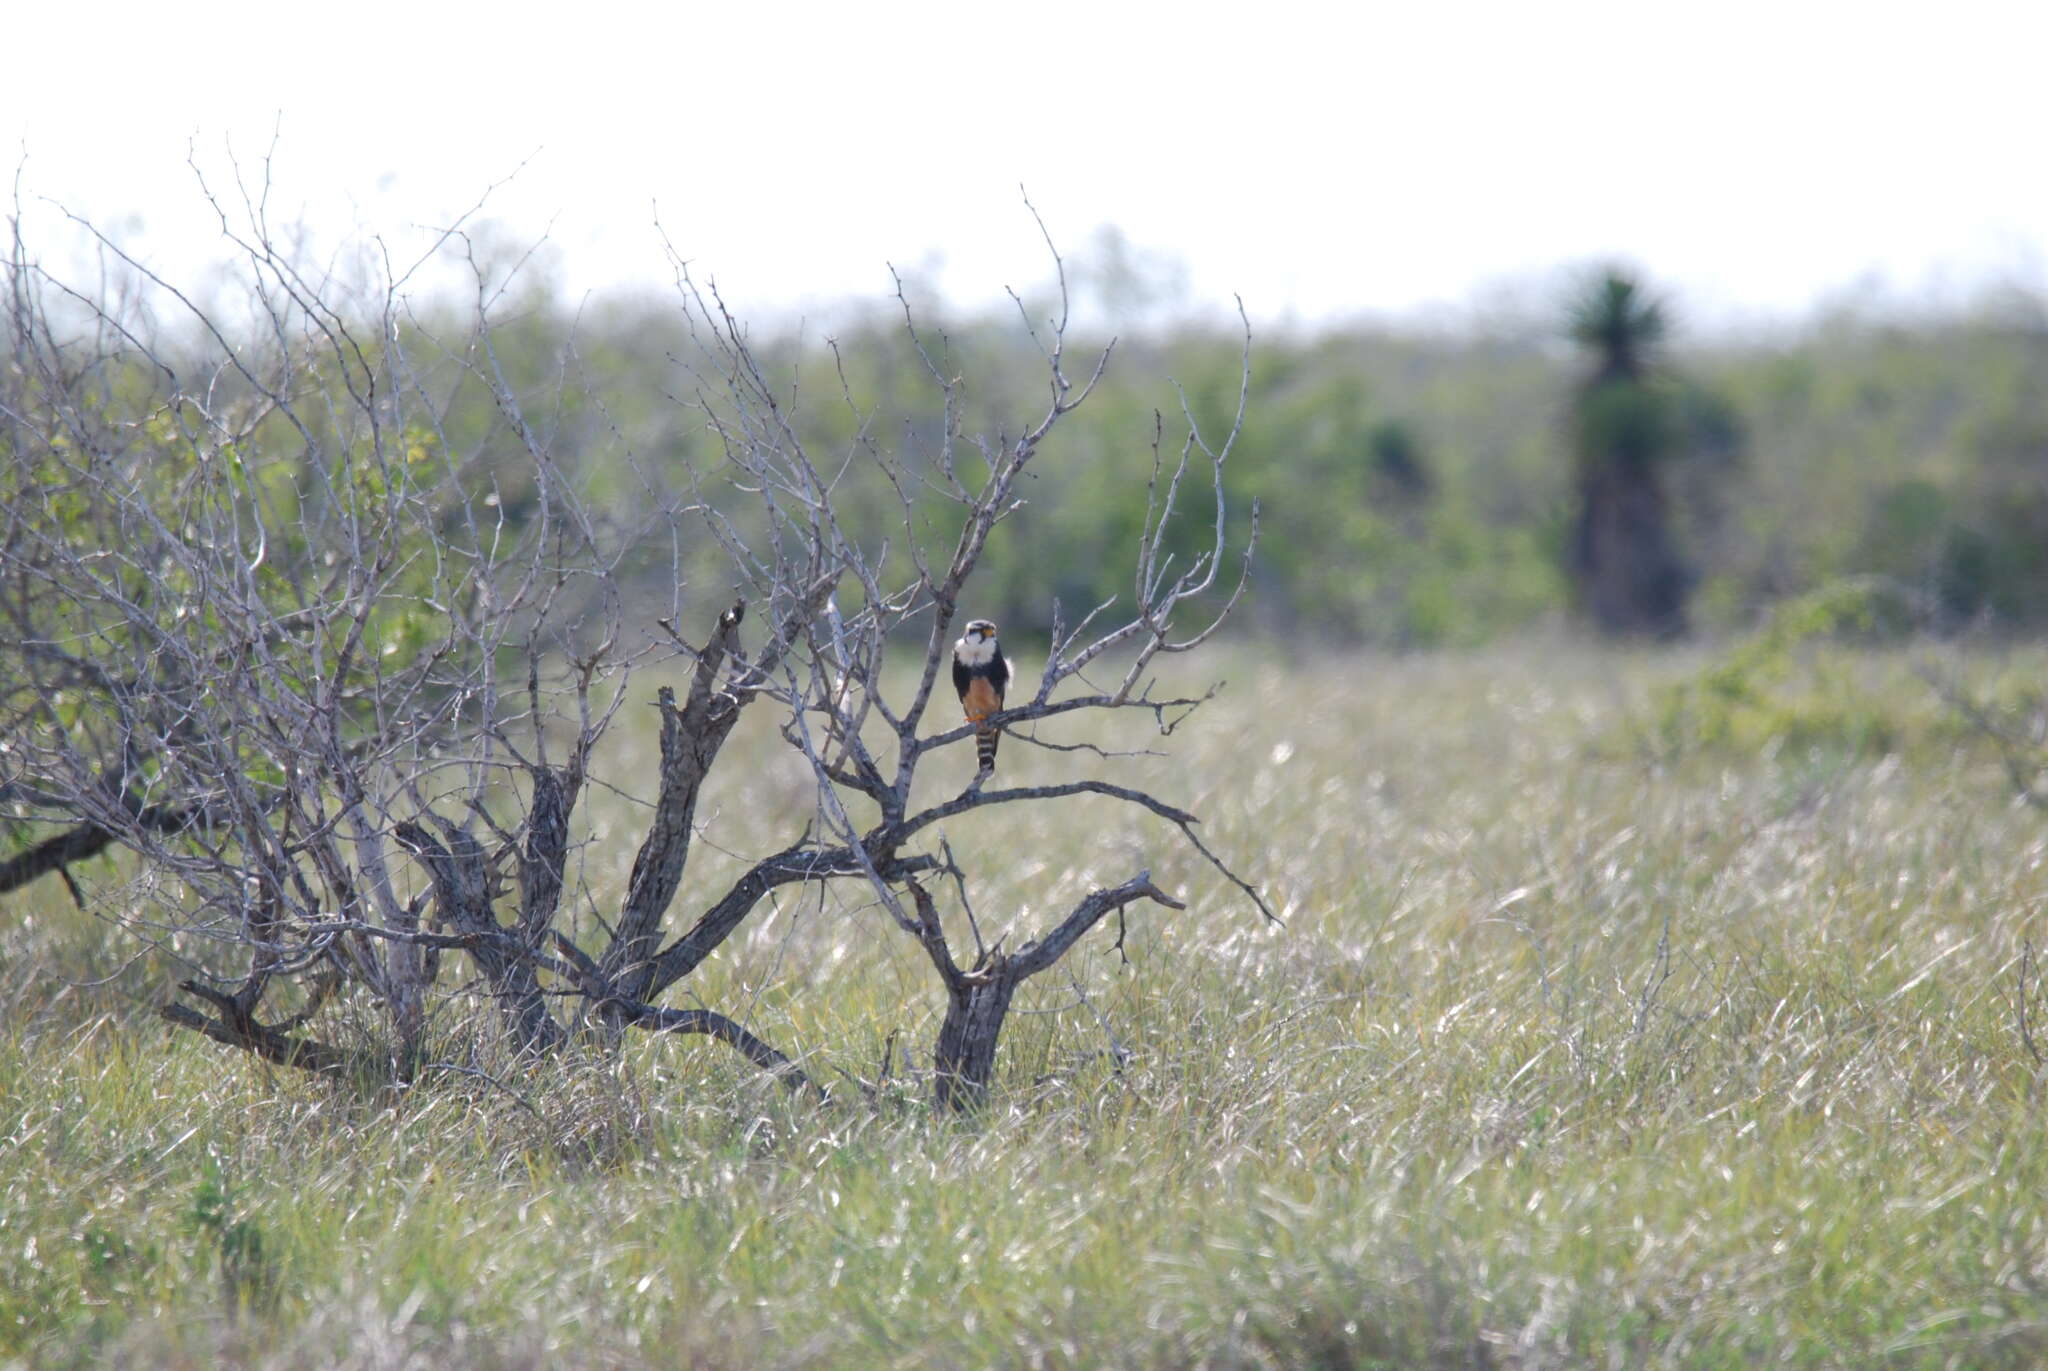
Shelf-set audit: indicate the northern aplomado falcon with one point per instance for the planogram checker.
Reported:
(981, 673)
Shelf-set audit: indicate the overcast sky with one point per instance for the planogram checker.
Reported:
(1323, 161)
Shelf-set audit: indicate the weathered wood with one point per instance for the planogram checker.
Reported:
(546, 857)
(978, 1001)
(658, 1019)
(74, 844)
(691, 737)
(801, 862)
(460, 873)
(86, 840)
(1033, 958)
(617, 1009)
(303, 1053)
(888, 838)
(965, 1058)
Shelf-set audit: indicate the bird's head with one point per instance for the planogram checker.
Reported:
(981, 630)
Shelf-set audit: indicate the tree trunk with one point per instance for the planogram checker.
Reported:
(978, 1001)
(462, 891)
(966, 1056)
(1631, 578)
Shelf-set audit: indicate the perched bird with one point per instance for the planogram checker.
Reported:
(981, 673)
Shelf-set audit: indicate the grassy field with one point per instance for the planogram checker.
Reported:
(1587, 1042)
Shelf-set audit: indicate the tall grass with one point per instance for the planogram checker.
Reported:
(1574, 1051)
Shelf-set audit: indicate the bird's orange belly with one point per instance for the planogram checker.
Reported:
(980, 701)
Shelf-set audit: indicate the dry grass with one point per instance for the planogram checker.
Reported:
(1570, 1054)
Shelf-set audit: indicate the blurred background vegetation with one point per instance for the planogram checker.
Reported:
(1419, 485)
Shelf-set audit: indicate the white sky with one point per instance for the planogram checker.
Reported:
(1322, 160)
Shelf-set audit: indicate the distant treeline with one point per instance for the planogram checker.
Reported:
(1415, 488)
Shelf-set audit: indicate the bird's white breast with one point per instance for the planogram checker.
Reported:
(975, 651)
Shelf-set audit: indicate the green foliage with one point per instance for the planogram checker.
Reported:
(1798, 682)
(1614, 318)
(1415, 488)
(1411, 485)
(1908, 453)
(1625, 422)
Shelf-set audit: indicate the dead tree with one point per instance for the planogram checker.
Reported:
(330, 668)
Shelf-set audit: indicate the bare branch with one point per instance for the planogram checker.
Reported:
(1033, 958)
(655, 1019)
(799, 862)
(303, 1053)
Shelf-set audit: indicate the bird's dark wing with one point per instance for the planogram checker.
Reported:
(961, 676)
(999, 674)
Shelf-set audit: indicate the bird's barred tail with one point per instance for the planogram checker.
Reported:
(985, 747)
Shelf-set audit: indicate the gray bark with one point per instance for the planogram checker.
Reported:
(462, 894)
(965, 1058)
(978, 1001)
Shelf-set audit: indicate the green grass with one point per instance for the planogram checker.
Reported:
(1572, 1053)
